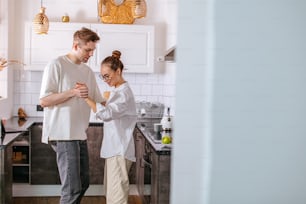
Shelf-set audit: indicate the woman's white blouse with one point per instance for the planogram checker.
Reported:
(119, 117)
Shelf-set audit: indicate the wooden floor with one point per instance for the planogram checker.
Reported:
(133, 199)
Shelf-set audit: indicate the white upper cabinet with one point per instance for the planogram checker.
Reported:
(135, 42)
(40, 49)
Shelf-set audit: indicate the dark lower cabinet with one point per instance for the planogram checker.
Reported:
(43, 158)
(96, 164)
(160, 179)
(21, 159)
(139, 148)
(152, 168)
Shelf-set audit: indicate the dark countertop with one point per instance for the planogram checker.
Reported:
(21, 125)
(18, 127)
(8, 139)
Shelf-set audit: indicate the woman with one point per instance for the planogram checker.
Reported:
(119, 115)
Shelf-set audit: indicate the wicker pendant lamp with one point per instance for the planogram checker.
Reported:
(140, 9)
(41, 21)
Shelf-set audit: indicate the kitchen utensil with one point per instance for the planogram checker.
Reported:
(158, 128)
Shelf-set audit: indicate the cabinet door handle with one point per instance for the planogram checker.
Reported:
(145, 163)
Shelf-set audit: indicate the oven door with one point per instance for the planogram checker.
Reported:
(144, 174)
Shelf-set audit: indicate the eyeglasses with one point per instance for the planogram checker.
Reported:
(105, 77)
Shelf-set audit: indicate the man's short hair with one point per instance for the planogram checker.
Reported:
(85, 35)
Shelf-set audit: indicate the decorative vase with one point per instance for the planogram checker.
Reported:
(65, 18)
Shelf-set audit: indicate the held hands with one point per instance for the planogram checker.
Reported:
(81, 90)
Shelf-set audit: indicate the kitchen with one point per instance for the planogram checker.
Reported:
(23, 89)
(241, 64)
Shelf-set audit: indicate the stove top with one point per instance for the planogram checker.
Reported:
(146, 126)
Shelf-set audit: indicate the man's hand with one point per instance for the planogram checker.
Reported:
(81, 90)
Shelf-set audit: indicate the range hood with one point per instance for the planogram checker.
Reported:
(169, 56)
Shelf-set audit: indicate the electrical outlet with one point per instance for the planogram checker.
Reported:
(39, 108)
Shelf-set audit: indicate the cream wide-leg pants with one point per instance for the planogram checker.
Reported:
(116, 180)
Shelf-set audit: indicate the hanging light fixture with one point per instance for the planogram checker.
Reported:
(41, 21)
(140, 9)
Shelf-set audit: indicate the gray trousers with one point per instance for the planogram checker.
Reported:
(73, 168)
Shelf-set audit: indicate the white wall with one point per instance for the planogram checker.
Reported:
(149, 87)
(6, 76)
(191, 156)
(252, 149)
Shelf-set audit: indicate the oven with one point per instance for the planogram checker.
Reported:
(148, 113)
(146, 163)
(144, 158)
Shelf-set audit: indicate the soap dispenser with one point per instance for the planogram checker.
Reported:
(167, 121)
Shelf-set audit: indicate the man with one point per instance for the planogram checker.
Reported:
(66, 81)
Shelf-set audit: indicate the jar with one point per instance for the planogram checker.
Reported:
(65, 18)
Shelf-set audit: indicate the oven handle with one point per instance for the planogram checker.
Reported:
(145, 163)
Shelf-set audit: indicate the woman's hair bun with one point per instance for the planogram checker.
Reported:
(116, 53)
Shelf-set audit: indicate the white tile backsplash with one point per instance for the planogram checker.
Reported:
(24, 75)
(16, 75)
(36, 76)
(16, 98)
(31, 110)
(29, 87)
(136, 89)
(141, 98)
(21, 87)
(152, 79)
(36, 88)
(141, 79)
(169, 90)
(155, 98)
(146, 87)
(25, 99)
(17, 87)
(130, 78)
(35, 98)
(157, 90)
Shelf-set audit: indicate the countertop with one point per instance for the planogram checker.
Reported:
(13, 124)
(19, 127)
(148, 133)
(8, 139)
